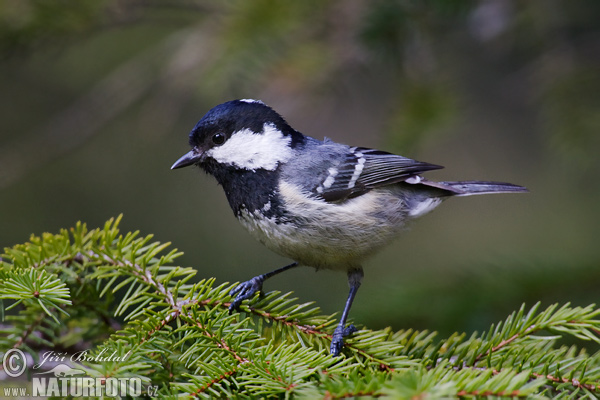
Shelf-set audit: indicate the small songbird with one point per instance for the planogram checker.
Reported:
(321, 203)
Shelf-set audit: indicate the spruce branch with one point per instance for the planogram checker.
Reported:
(575, 321)
(66, 291)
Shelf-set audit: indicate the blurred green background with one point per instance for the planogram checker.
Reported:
(97, 98)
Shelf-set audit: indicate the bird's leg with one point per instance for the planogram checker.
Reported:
(337, 341)
(245, 290)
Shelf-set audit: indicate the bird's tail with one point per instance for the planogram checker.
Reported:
(468, 188)
(422, 201)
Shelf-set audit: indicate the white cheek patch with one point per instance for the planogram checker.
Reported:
(249, 150)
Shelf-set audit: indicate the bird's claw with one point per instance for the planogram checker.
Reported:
(244, 291)
(337, 341)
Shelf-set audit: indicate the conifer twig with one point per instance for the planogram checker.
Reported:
(139, 272)
(212, 382)
(29, 331)
(505, 342)
(575, 382)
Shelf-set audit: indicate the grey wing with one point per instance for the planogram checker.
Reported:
(362, 169)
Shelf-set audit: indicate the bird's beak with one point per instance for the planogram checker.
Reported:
(190, 158)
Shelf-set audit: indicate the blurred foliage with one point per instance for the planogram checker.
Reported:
(306, 49)
(97, 97)
(572, 113)
(26, 23)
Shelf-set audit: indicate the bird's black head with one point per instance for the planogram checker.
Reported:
(240, 134)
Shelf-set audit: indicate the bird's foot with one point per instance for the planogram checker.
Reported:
(337, 341)
(244, 291)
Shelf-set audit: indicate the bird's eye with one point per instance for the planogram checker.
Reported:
(218, 138)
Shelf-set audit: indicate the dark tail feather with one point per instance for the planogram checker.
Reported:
(468, 188)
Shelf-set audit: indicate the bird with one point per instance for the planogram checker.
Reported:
(320, 203)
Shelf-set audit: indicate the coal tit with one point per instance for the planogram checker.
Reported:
(320, 203)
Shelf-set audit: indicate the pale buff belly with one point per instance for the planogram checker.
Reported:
(329, 235)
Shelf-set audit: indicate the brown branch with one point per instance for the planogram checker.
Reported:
(283, 320)
(513, 393)
(147, 277)
(574, 382)
(314, 331)
(505, 342)
(221, 343)
(213, 382)
(241, 360)
(161, 325)
(516, 336)
(138, 271)
(29, 331)
(332, 396)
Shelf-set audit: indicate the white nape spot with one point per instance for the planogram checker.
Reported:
(360, 165)
(424, 207)
(331, 178)
(250, 150)
(251, 101)
(414, 180)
